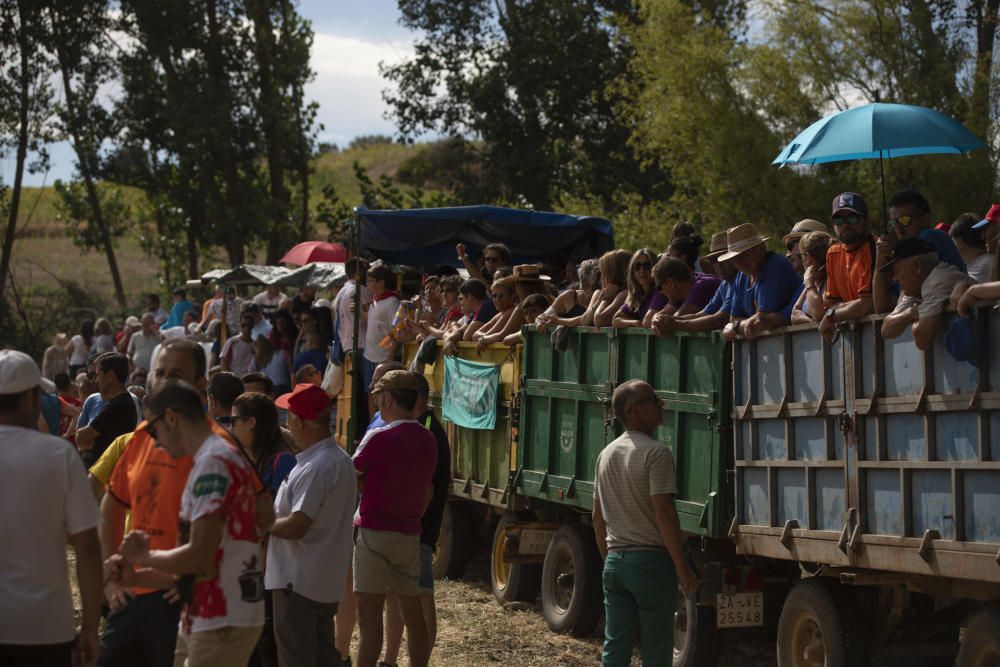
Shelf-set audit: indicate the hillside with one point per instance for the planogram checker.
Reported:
(44, 254)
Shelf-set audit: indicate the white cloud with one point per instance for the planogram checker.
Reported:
(348, 87)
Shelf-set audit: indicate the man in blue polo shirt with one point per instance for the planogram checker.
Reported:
(766, 288)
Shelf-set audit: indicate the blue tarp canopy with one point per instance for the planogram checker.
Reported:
(427, 236)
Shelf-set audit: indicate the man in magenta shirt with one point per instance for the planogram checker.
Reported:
(395, 466)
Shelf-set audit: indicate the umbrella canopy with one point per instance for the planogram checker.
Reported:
(315, 251)
(878, 131)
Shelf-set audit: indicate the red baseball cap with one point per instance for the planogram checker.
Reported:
(306, 401)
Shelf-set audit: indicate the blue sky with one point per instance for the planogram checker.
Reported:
(351, 39)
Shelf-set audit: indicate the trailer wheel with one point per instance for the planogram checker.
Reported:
(981, 643)
(572, 592)
(512, 582)
(820, 626)
(695, 636)
(457, 541)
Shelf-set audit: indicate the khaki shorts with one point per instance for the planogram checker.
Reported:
(224, 646)
(386, 562)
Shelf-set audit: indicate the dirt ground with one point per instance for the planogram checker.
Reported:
(474, 630)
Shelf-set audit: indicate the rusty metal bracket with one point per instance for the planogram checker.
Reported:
(854, 544)
(786, 533)
(783, 407)
(467, 489)
(844, 536)
(974, 400)
(926, 548)
(745, 409)
(820, 405)
(921, 407)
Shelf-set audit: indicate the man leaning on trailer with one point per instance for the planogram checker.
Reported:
(638, 533)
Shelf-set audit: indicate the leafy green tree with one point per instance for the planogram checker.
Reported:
(524, 86)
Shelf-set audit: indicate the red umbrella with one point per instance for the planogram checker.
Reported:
(315, 251)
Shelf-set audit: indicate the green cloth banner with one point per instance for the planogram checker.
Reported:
(470, 393)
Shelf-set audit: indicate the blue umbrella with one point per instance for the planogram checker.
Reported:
(878, 131)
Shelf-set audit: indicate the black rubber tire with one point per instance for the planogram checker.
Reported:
(572, 589)
(981, 642)
(819, 608)
(699, 646)
(512, 582)
(457, 542)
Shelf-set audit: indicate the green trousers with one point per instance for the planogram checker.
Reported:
(640, 598)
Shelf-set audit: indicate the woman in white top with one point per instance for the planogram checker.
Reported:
(972, 247)
(78, 348)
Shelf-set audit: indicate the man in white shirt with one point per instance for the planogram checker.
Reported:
(269, 300)
(47, 505)
(343, 306)
(261, 327)
(926, 284)
(141, 344)
(311, 540)
(237, 353)
(382, 310)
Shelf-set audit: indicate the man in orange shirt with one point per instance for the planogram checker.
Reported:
(142, 626)
(848, 264)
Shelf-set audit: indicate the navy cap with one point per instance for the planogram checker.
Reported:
(849, 201)
(913, 247)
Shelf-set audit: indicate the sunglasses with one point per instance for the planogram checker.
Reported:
(902, 221)
(151, 426)
(639, 266)
(487, 258)
(847, 220)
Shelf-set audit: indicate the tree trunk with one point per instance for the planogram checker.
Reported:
(986, 27)
(220, 112)
(22, 154)
(192, 249)
(271, 109)
(84, 152)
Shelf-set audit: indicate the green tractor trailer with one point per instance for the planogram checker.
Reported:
(844, 499)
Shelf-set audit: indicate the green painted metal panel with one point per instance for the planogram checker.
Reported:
(566, 416)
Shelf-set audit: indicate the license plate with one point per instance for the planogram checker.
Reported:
(534, 542)
(739, 610)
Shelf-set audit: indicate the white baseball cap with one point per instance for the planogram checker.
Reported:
(19, 372)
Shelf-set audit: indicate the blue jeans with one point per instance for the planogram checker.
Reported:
(640, 597)
(142, 633)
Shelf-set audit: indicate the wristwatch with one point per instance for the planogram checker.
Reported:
(831, 313)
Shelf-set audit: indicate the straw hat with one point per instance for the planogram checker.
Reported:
(717, 246)
(525, 272)
(741, 238)
(60, 339)
(803, 227)
(133, 322)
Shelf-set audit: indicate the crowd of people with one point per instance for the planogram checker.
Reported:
(216, 521)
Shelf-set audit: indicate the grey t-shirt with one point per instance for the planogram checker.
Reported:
(630, 470)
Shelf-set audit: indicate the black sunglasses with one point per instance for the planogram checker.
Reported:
(639, 266)
(151, 426)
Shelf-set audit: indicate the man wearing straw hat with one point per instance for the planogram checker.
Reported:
(715, 314)
(766, 288)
